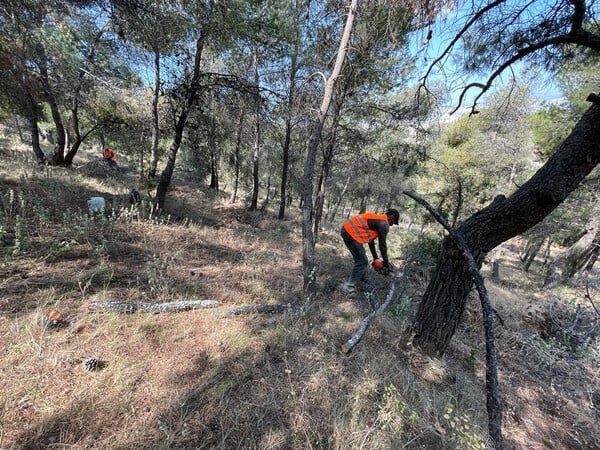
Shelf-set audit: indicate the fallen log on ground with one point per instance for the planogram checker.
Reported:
(261, 308)
(126, 307)
(367, 320)
(186, 305)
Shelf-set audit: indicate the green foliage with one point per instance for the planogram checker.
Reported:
(384, 409)
(403, 308)
(577, 77)
(394, 414)
(550, 126)
(480, 156)
(423, 247)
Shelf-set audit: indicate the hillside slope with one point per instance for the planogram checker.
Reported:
(211, 379)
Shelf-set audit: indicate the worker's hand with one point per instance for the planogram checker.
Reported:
(387, 268)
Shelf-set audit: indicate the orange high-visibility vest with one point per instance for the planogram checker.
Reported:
(358, 227)
(108, 154)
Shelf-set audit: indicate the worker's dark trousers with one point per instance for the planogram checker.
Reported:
(360, 259)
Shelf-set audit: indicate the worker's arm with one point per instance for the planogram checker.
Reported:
(383, 250)
(382, 227)
(372, 248)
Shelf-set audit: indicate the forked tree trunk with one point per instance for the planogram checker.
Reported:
(443, 303)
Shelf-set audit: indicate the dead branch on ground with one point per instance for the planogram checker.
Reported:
(367, 320)
(260, 308)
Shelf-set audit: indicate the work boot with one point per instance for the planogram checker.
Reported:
(348, 287)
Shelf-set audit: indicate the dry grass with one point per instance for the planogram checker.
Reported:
(198, 379)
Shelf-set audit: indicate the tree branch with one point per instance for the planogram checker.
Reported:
(459, 35)
(494, 404)
(356, 337)
(522, 53)
(576, 34)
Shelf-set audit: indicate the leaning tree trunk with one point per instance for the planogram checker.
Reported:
(308, 240)
(191, 96)
(444, 300)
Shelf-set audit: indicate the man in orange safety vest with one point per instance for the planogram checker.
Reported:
(109, 156)
(363, 229)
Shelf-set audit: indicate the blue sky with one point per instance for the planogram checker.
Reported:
(542, 87)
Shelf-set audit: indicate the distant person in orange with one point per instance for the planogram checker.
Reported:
(109, 156)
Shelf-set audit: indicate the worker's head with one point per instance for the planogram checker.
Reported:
(393, 216)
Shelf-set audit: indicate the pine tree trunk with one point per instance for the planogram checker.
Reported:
(443, 303)
(191, 96)
(214, 158)
(236, 154)
(58, 157)
(326, 166)
(155, 119)
(576, 258)
(532, 249)
(308, 242)
(288, 136)
(35, 140)
(34, 129)
(257, 140)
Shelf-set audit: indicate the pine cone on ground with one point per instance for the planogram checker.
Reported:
(90, 364)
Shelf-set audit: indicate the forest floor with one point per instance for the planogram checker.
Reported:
(211, 379)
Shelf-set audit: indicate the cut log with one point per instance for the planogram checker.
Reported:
(126, 307)
(355, 339)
